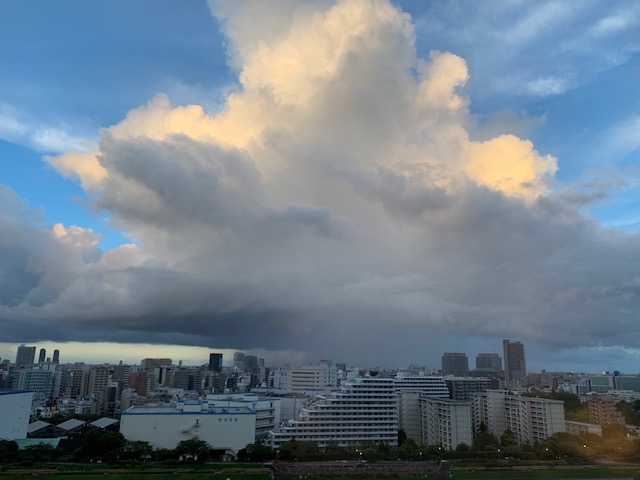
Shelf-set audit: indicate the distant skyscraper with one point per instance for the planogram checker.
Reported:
(215, 362)
(25, 356)
(56, 356)
(514, 362)
(250, 362)
(151, 363)
(455, 364)
(488, 361)
(238, 361)
(42, 356)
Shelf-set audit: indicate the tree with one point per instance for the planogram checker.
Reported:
(508, 438)
(255, 452)
(8, 450)
(97, 443)
(137, 449)
(462, 447)
(194, 448)
(43, 452)
(484, 440)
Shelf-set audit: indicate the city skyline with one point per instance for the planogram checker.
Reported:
(371, 181)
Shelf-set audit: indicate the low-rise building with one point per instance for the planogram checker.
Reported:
(223, 428)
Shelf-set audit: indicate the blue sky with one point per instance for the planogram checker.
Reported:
(559, 80)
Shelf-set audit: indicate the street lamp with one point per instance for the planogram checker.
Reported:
(499, 454)
(420, 456)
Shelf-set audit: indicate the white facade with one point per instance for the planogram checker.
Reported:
(530, 419)
(230, 428)
(364, 410)
(267, 409)
(445, 422)
(15, 409)
(310, 377)
(409, 413)
(429, 385)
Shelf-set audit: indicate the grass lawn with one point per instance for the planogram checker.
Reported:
(540, 474)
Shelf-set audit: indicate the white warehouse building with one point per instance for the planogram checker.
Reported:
(223, 428)
(15, 409)
(267, 409)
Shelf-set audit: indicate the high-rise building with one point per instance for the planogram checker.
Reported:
(56, 356)
(215, 362)
(514, 363)
(488, 361)
(364, 411)
(25, 356)
(42, 356)
(151, 363)
(250, 362)
(238, 361)
(456, 364)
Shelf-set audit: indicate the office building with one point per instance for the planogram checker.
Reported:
(25, 356)
(456, 364)
(365, 410)
(250, 363)
(153, 363)
(489, 361)
(215, 362)
(56, 356)
(238, 361)
(514, 361)
(42, 356)
(445, 422)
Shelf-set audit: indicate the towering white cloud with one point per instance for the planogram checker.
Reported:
(338, 193)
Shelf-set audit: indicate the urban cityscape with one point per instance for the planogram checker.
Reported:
(320, 239)
(161, 403)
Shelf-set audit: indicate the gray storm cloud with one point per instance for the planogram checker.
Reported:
(338, 195)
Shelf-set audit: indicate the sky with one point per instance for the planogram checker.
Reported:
(368, 181)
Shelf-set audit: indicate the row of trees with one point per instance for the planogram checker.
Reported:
(616, 441)
(109, 447)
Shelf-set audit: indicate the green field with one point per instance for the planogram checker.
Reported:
(262, 474)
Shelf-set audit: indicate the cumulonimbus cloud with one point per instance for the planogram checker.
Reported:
(337, 194)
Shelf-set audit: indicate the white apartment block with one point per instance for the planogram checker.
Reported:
(409, 413)
(364, 410)
(15, 409)
(445, 422)
(409, 387)
(310, 377)
(531, 419)
(430, 385)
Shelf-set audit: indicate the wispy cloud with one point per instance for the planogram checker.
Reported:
(42, 138)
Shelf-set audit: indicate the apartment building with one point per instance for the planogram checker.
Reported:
(445, 422)
(364, 410)
(531, 419)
